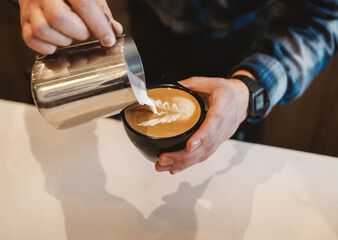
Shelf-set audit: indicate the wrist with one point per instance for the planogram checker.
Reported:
(244, 73)
(245, 92)
(242, 94)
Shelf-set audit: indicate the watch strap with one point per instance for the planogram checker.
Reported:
(258, 100)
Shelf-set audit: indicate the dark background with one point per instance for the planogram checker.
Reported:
(309, 123)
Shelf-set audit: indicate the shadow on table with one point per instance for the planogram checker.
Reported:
(322, 188)
(178, 212)
(71, 164)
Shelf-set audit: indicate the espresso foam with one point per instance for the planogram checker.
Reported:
(181, 109)
(178, 111)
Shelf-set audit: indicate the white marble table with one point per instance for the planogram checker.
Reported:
(90, 182)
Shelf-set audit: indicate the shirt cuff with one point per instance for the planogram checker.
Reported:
(269, 73)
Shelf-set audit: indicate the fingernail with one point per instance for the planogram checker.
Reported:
(108, 41)
(165, 161)
(195, 144)
(174, 172)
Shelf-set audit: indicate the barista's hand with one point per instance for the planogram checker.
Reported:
(227, 101)
(47, 24)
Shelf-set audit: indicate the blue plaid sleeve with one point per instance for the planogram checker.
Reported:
(295, 50)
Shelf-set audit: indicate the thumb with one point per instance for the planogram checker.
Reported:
(198, 84)
(189, 82)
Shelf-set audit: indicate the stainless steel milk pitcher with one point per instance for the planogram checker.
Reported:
(84, 82)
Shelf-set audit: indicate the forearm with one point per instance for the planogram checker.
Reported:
(297, 47)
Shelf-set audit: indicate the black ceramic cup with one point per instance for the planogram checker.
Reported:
(153, 147)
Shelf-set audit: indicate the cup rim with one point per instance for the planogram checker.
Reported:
(192, 129)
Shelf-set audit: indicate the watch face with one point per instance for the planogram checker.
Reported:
(259, 102)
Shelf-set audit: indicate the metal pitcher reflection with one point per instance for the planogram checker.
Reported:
(84, 82)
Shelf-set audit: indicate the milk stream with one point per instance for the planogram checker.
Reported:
(140, 91)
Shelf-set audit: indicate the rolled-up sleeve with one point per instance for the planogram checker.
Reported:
(295, 49)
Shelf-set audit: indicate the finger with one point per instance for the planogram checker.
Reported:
(178, 159)
(184, 159)
(44, 32)
(95, 19)
(61, 17)
(160, 168)
(166, 161)
(104, 6)
(25, 12)
(118, 29)
(34, 43)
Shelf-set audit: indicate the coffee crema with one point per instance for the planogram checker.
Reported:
(178, 111)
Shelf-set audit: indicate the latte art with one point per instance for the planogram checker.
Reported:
(177, 112)
(181, 108)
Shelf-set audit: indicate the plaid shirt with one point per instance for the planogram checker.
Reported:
(297, 45)
(197, 15)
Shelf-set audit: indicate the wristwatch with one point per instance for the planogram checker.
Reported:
(258, 99)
